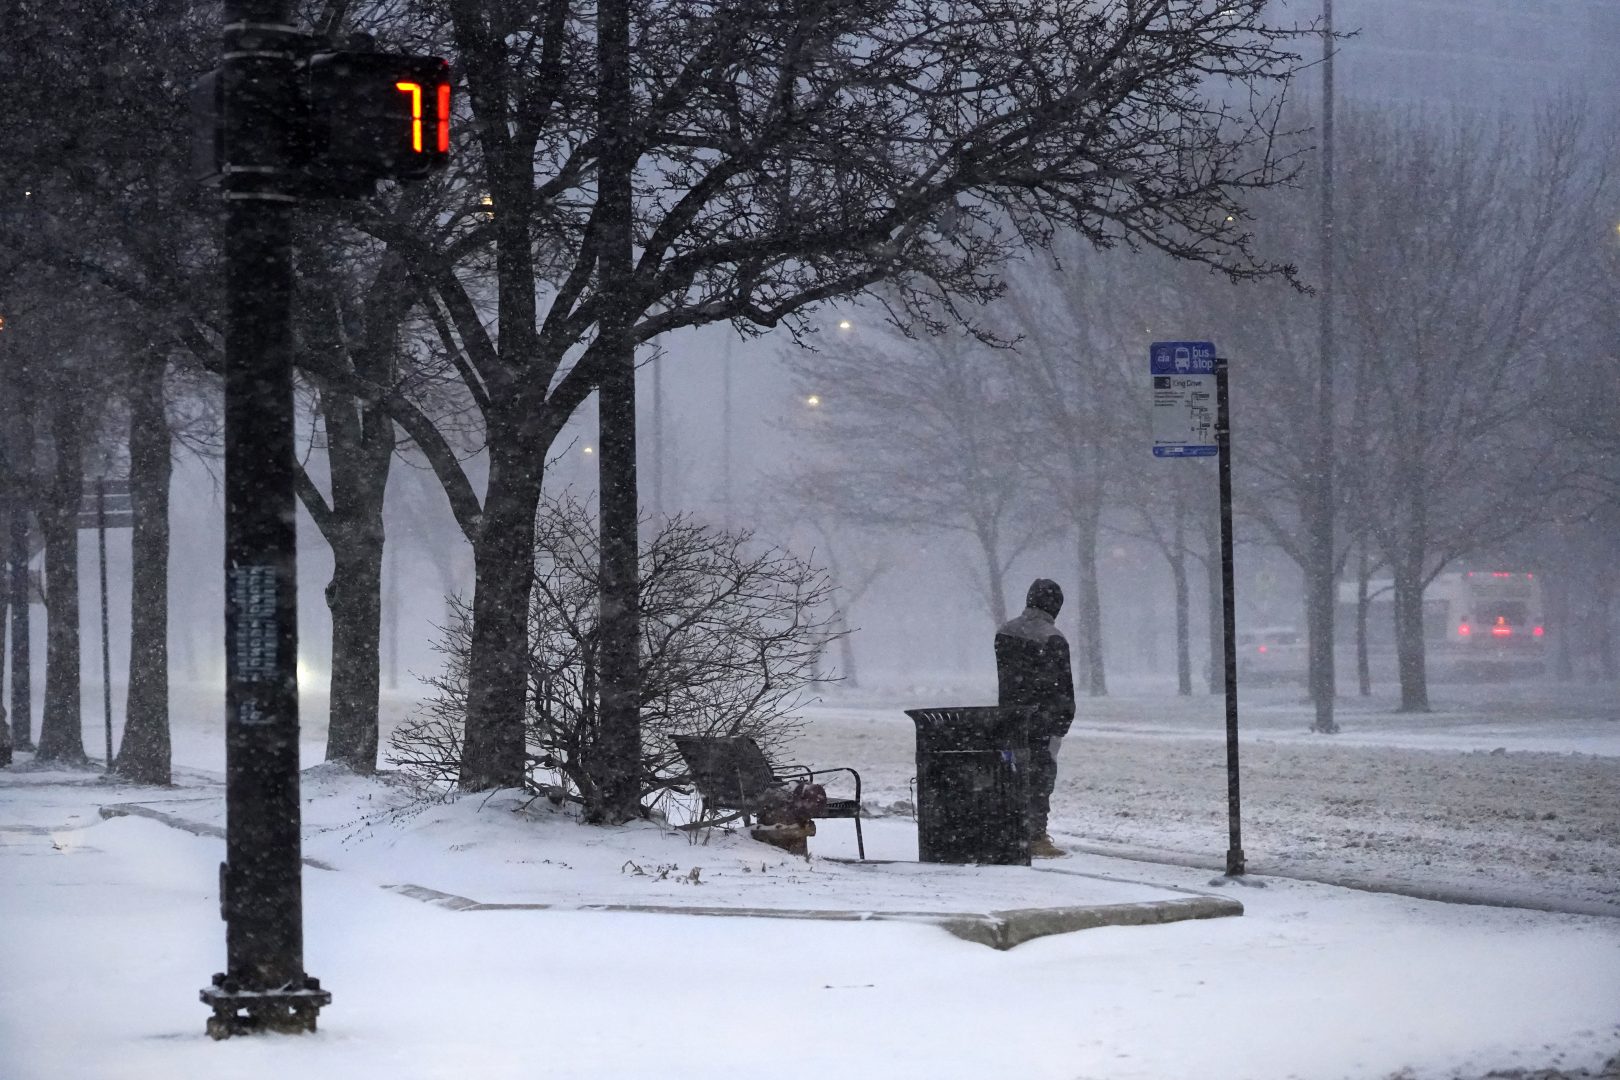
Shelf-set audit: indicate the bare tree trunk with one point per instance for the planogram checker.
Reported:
(1603, 643)
(61, 735)
(503, 578)
(1178, 571)
(995, 585)
(5, 613)
(1215, 601)
(1363, 606)
(1558, 602)
(1089, 603)
(354, 598)
(846, 649)
(1321, 587)
(390, 610)
(144, 755)
(360, 454)
(20, 447)
(1409, 647)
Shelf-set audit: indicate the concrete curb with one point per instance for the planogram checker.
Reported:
(1444, 894)
(998, 929)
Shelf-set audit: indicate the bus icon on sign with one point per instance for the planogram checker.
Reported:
(1182, 358)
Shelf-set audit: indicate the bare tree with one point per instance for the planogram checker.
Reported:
(1461, 252)
(144, 753)
(855, 557)
(1077, 317)
(731, 633)
(787, 156)
(1269, 333)
(923, 434)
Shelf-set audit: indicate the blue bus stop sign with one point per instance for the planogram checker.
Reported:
(1183, 374)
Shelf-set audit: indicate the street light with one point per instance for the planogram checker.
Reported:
(845, 324)
(813, 401)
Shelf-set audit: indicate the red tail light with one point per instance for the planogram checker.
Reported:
(1536, 631)
(1262, 648)
(1463, 630)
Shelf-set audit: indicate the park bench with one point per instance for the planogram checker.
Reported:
(734, 779)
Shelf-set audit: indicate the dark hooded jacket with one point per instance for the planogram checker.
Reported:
(1032, 663)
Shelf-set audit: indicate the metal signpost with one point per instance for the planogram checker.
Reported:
(1191, 418)
(106, 506)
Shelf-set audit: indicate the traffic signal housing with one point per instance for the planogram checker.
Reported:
(364, 117)
(376, 116)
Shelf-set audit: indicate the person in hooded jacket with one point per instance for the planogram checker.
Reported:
(1033, 671)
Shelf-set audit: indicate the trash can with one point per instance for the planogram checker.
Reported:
(971, 795)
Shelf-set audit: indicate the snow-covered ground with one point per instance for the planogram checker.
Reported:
(1506, 790)
(109, 927)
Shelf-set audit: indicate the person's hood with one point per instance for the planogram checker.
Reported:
(1045, 595)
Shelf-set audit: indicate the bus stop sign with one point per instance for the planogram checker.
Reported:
(1183, 374)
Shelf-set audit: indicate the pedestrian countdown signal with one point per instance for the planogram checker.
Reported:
(377, 116)
(360, 117)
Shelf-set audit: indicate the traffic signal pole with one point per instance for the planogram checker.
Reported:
(264, 986)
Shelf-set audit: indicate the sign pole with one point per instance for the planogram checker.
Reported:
(1184, 426)
(106, 645)
(264, 986)
(1223, 440)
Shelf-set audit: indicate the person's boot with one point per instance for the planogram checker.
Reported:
(1042, 848)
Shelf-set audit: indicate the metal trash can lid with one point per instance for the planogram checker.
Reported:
(970, 727)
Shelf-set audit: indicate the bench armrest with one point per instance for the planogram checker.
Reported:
(813, 773)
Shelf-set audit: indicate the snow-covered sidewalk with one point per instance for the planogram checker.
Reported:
(111, 926)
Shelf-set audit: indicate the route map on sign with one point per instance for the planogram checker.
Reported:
(1183, 374)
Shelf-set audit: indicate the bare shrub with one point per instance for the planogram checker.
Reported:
(731, 633)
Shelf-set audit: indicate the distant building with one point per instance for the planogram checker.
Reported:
(1436, 55)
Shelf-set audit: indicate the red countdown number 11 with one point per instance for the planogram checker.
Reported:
(443, 125)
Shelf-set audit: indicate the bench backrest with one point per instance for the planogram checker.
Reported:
(729, 770)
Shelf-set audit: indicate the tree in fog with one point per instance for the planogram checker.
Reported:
(923, 436)
(786, 156)
(1583, 585)
(99, 142)
(1268, 332)
(856, 554)
(351, 324)
(1460, 258)
(376, 381)
(1076, 317)
(71, 366)
(18, 489)
(144, 751)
